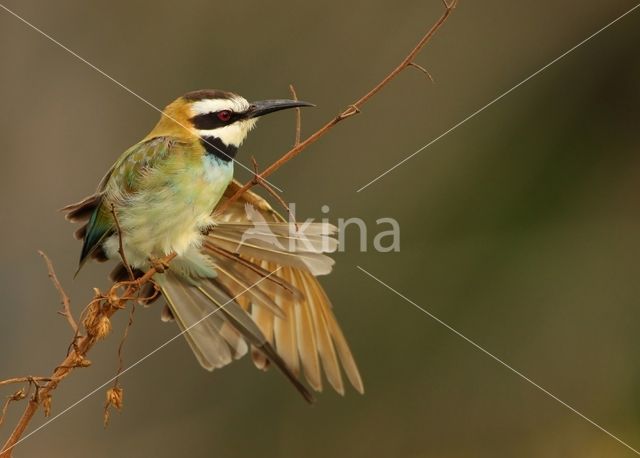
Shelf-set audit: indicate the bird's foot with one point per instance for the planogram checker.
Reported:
(160, 265)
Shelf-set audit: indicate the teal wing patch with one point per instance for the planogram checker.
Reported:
(123, 176)
(99, 227)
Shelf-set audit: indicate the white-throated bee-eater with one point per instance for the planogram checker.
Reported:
(261, 293)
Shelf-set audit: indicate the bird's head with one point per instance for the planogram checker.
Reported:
(220, 119)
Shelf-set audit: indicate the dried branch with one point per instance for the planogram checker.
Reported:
(27, 379)
(22, 393)
(96, 317)
(98, 314)
(66, 302)
(350, 111)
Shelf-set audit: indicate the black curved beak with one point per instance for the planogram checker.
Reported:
(264, 107)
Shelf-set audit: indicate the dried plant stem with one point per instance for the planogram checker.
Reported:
(259, 181)
(101, 308)
(123, 256)
(351, 110)
(294, 96)
(114, 395)
(66, 302)
(27, 379)
(423, 70)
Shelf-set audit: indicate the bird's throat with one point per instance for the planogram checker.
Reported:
(217, 148)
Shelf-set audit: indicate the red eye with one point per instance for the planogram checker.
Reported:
(224, 115)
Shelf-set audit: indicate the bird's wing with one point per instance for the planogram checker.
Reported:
(215, 325)
(121, 180)
(291, 309)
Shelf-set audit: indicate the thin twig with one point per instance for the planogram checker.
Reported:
(17, 396)
(123, 256)
(259, 181)
(66, 302)
(123, 340)
(114, 395)
(294, 96)
(423, 70)
(350, 111)
(27, 379)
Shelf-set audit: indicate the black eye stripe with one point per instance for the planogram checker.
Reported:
(208, 121)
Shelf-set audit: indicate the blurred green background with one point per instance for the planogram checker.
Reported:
(519, 229)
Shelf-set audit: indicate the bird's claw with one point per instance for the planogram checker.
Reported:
(160, 265)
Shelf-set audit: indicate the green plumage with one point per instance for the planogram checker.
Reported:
(131, 175)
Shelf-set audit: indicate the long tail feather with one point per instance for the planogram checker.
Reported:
(216, 327)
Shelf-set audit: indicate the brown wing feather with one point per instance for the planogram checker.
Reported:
(307, 337)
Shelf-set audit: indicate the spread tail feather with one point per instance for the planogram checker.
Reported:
(216, 327)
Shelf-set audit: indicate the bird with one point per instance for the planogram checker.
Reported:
(243, 280)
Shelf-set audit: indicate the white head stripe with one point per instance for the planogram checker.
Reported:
(236, 104)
